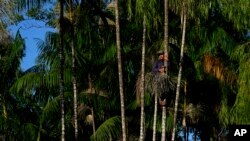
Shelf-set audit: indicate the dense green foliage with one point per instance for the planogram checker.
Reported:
(215, 69)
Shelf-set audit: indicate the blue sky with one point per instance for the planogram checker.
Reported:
(32, 31)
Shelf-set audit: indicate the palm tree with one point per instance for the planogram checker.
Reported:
(146, 14)
(184, 19)
(106, 116)
(164, 112)
(11, 52)
(240, 23)
(73, 70)
(118, 45)
(61, 56)
(155, 116)
(142, 127)
(184, 123)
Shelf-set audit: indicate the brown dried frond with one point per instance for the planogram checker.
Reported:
(216, 67)
(82, 110)
(213, 66)
(157, 84)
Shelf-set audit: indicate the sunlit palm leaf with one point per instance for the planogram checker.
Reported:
(33, 80)
(240, 111)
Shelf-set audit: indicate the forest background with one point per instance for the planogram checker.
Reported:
(76, 91)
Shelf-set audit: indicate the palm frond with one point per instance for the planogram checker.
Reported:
(194, 112)
(150, 10)
(33, 80)
(52, 107)
(216, 67)
(109, 54)
(224, 113)
(239, 16)
(239, 112)
(48, 50)
(110, 129)
(30, 131)
(157, 84)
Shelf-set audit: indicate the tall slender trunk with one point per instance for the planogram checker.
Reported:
(163, 128)
(164, 112)
(120, 75)
(166, 50)
(73, 71)
(155, 117)
(184, 123)
(61, 55)
(93, 122)
(142, 128)
(180, 68)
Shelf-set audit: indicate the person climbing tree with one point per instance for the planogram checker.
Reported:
(159, 70)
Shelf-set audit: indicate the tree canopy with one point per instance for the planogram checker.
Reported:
(214, 91)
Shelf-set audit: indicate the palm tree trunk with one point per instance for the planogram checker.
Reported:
(184, 123)
(142, 128)
(75, 92)
(93, 122)
(164, 112)
(163, 128)
(166, 30)
(73, 71)
(180, 69)
(118, 44)
(155, 117)
(61, 50)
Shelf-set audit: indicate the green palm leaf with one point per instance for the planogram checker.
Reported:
(110, 129)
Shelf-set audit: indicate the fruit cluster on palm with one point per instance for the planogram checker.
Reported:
(76, 91)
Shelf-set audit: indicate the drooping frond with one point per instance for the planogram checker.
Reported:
(30, 131)
(157, 84)
(33, 80)
(11, 52)
(48, 49)
(196, 8)
(52, 107)
(216, 67)
(109, 54)
(149, 9)
(237, 12)
(110, 129)
(240, 111)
